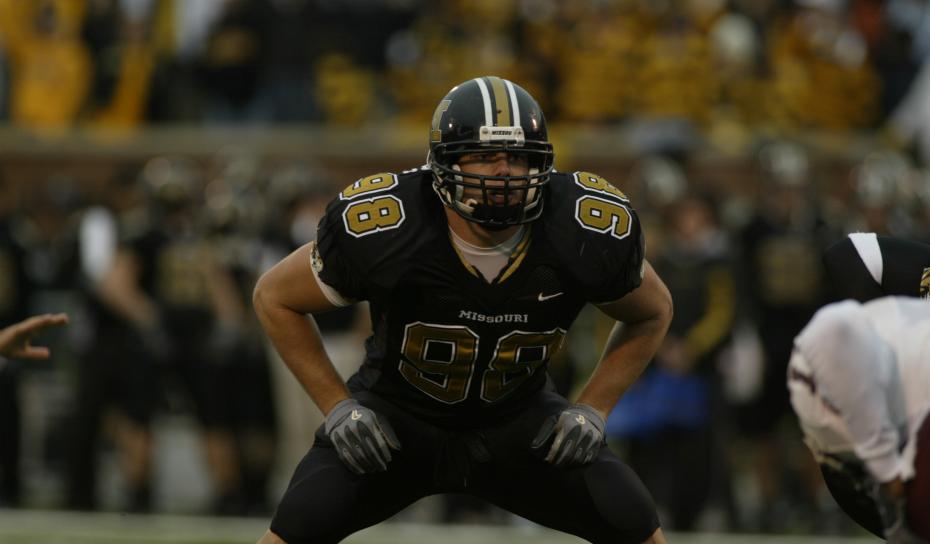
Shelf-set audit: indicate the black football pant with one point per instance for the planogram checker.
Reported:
(603, 502)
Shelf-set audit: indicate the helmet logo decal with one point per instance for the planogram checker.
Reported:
(435, 135)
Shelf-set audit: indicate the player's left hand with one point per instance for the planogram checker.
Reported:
(579, 433)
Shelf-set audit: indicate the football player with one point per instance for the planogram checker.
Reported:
(864, 266)
(860, 385)
(475, 266)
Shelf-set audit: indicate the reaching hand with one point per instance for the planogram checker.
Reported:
(363, 441)
(900, 534)
(891, 503)
(579, 433)
(15, 339)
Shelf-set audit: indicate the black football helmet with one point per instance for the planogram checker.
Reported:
(482, 115)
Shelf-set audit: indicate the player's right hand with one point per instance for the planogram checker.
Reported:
(578, 436)
(362, 440)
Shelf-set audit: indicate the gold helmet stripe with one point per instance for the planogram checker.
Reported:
(500, 100)
(486, 97)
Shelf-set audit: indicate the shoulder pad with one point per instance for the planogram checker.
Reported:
(596, 234)
(369, 207)
(370, 229)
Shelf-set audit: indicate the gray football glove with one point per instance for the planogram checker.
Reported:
(579, 433)
(363, 441)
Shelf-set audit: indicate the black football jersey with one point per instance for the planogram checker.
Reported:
(447, 344)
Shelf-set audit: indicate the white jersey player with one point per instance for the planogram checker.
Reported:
(859, 380)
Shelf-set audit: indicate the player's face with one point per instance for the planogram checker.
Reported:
(498, 164)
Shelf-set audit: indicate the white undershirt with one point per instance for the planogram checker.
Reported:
(488, 260)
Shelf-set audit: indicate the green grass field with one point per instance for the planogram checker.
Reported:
(45, 527)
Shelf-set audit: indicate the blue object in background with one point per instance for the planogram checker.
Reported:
(658, 400)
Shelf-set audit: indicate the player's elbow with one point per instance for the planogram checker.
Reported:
(658, 299)
(261, 295)
(669, 311)
(664, 307)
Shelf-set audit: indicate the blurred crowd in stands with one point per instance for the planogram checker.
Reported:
(724, 65)
(156, 266)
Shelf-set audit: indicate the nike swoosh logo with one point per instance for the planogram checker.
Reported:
(543, 298)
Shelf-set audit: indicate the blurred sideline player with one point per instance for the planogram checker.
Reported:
(860, 384)
(16, 344)
(471, 294)
(864, 266)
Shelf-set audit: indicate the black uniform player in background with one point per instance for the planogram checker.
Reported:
(865, 266)
(471, 294)
(14, 306)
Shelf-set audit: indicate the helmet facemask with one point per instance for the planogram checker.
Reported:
(495, 202)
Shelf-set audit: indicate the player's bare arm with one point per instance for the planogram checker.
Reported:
(284, 297)
(16, 340)
(643, 317)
